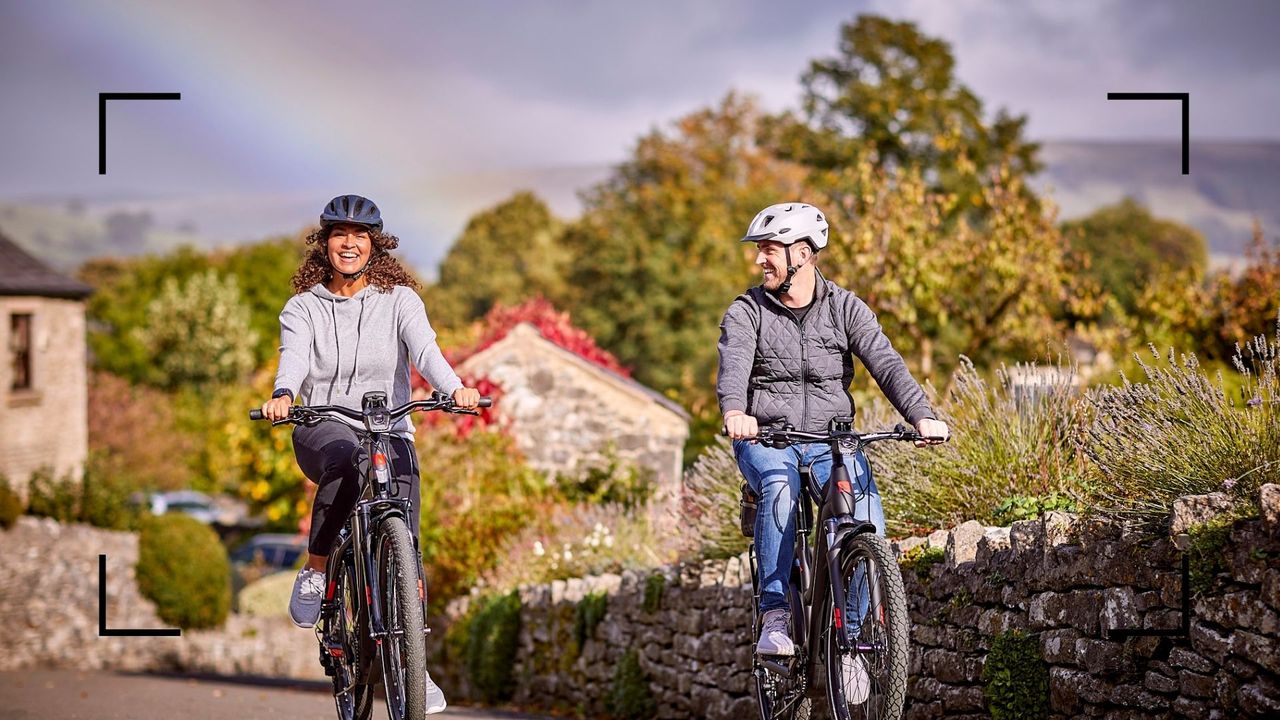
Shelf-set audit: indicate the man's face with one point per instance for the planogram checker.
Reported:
(771, 257)
(349, 247)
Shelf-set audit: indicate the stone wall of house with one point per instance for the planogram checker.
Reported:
(1068, 583)
(46, 425)
(565, 412)
(49, 601)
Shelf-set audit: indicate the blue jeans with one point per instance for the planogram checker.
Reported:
(774, 475)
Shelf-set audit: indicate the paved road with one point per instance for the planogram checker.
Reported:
(71, 695)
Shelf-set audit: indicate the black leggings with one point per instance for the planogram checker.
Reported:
(329, 455)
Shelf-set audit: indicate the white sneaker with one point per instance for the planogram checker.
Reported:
(435, 697)
(775, 634)
(308, 591)
(854, 679)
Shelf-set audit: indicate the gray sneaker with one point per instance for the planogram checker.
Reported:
(435, 697)
(308, 591)
(775, 634)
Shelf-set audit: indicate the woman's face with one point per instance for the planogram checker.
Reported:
(349, 247)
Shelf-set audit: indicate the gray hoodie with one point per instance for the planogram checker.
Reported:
(334, 349)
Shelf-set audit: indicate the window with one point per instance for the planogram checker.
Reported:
(20, 350)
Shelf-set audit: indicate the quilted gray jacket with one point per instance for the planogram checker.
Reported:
(782, 371)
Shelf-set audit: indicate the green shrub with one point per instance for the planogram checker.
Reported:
(53, 497)
(1023, 507)
(1016, 678)
(921, 558)
(612, 481)
(10, 504)
(654, 587)
(183, 569)
(493, 634)
(1017, 436)
(629, 695)
(1181, 433)
(590, 611)
(100, 497)
(1205, 558)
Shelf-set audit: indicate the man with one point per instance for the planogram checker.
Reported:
(786, 357)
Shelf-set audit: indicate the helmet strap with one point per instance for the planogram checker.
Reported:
(356, 275)
(785, 287)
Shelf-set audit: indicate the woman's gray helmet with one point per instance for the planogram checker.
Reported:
(789, 223)
(352, 209)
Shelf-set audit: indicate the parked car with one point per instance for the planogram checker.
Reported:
(193, 503)
(264, 554)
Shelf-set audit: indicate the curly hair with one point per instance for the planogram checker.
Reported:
(383, 272)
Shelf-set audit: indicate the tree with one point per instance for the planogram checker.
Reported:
(1248, 305)
(655, 259)
(507, 254)
(1129, 250)
(890, 97)
(197, 332)
(986, 288)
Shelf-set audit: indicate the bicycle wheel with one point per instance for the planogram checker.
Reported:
(870, 680)
(404, 651)
(347, 626)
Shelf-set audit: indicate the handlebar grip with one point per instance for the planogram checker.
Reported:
(485, 402)
(256, 414)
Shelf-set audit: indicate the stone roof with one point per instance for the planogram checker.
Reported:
(586, 365)
(22, 274)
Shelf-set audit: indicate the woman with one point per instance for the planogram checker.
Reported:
(354, 325)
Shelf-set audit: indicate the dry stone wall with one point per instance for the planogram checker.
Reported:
(1066, 583)
(49, 601)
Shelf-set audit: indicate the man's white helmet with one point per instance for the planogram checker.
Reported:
(789, 223)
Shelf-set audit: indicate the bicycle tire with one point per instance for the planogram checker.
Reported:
(353, 693)
(886, 637)
(404, 650)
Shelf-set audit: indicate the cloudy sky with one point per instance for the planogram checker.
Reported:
(286, 103)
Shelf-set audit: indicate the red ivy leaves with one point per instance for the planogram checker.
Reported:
(554, 325)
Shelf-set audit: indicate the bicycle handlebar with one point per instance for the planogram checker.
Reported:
(782, 438)
(301, 413)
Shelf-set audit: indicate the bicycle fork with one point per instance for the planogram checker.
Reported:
(837, 534)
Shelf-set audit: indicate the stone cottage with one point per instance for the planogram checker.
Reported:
(43, 381)
(565, 411)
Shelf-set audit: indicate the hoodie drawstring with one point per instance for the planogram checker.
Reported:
(337, 348)
(355, 361)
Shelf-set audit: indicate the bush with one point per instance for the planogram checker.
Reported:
(477, 495)
(10, 504)
(612, 481)
(1018, 436)
(1180, 433)
(100, 497)
(1022, 507)
(183, 569)
(493, 634)
(1016, 678)
(587, 615)
(53, 497)
(654, 587)
(712, 489)
(629, 695)
(921, 559)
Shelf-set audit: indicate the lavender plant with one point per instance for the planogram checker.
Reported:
(1016, 437)
(1181, 433)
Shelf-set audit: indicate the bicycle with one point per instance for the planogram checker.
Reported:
(375, 597)
(861, 618)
